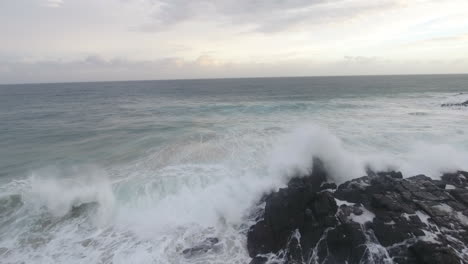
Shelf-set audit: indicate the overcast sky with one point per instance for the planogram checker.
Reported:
(87, 40)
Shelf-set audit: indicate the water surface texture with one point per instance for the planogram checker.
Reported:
(136, 172)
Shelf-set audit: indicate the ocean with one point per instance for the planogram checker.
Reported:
(140, 171)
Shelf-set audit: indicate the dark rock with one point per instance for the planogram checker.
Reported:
(433, 253)
(386, 202)
(353, 191)
(294, 250)
(324, 204)
(383, 217)
(439, 184)
(392, 230)
(458, 179)
(259, 260)
(392, 174)
(345, 243)
(461, 195)
(288, 210)
(328, 186)
(260, 239)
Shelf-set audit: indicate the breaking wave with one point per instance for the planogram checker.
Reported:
(153, 214)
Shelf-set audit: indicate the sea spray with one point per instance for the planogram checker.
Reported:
(294, 152)
(421, 158)
(59, 190)
(159, 212)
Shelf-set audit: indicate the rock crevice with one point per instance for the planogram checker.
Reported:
(378, 218)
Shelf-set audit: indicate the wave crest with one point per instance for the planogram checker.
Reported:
(63, 190)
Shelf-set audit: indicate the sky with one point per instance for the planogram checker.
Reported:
(98, 40)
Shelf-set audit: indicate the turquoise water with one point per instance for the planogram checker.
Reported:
(160, 165)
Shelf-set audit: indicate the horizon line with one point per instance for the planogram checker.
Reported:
(233, 78)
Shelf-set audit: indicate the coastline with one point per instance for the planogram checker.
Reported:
(378, 218)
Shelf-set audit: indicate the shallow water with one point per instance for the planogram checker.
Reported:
(136, 172)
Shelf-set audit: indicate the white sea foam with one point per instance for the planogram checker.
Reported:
(294, 153)
(364, 217)
(456, 98)
(59, 190)
(422, 158)
(152, 208)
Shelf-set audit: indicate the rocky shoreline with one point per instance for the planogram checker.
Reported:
(379, 218)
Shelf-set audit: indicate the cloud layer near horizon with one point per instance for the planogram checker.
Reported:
(86, 40)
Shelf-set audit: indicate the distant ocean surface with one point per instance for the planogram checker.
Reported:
(137, 172)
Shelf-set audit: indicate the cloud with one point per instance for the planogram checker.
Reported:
(227, 38)
(207, 60)
(440, 40)
(262, 15)
(97, 68)
(53, 3)
(362, 59)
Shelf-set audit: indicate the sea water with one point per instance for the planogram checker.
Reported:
(137, 172)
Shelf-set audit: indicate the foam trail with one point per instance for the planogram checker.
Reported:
(157, 213)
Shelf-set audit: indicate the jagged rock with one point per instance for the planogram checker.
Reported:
(260, 239)
(345, 243)
(378, 218)
(259, 260)
(287, 210)
(460, 194)
(433, 253)
(294, 250)
(458, 179)
(328, 186)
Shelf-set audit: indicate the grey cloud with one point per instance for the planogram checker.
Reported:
(53, 3)
(96, 68)
(362, 59)
(263, 15)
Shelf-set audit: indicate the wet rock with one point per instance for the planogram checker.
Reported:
(345, 243)
(458, 179)
(434, 253)
(328, 186)
(259, 260)
(294, 250)
(382, 217)
(260, 239)
(461, 195)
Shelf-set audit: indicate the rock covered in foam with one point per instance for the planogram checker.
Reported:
(378, 218)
